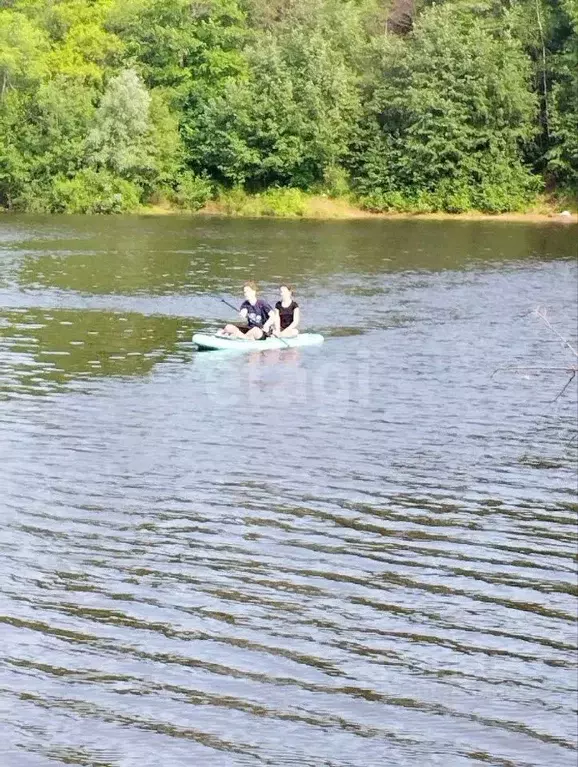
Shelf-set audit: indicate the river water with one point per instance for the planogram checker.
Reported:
(354, 555)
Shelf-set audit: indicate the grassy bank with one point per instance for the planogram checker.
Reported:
(294, 204)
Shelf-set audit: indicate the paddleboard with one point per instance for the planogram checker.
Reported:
(213, 342)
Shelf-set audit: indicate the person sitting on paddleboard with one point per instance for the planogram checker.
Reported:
(286, 316)
(257, 313)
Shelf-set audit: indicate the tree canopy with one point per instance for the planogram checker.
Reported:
(409, 105)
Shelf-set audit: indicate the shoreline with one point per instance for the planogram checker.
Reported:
(320, 208)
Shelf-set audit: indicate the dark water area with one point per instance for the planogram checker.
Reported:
(359, 554)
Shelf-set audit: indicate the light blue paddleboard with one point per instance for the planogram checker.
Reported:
(224, 343)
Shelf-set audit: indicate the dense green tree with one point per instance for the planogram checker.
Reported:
(23, 52)
(446, 117)
(134, 135)
(548, 31)
(180, 45)
(120, 140)
(47, 105)
(106, 104)
(287, 123)
(562, 152)
(42, 135)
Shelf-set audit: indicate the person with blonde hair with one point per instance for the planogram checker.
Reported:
(256, 312)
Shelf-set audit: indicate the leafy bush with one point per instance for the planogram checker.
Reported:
(385, 202)
(287, 203)
(282, 202)
(191, 192)
(457, 200)
(91, 191)
(336, 182)
(236, 202)
(33, 197)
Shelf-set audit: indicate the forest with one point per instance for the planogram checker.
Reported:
(107, 106)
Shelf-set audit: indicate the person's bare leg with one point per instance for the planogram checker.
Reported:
(254, 334)
(289, 333)
(231, 330)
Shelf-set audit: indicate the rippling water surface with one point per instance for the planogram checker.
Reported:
(356, 555)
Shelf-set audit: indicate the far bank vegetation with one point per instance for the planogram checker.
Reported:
(255, 106)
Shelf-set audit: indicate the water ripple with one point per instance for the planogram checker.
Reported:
(363, 554)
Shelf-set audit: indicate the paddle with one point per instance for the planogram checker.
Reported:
(234, 308)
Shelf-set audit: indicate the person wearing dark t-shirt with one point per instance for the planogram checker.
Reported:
(287, 315)
(257, 313)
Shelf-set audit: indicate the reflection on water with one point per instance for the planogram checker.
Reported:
(41, 349)
(357, 554)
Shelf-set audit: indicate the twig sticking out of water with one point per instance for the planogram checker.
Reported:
(566, 385)
(542, 314)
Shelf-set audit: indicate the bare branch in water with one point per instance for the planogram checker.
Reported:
(542, 314)
(521, 368)
(568, 382)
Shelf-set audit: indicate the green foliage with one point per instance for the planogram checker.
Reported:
(23, 51)
(447, 115)
(166, 146)
(287, 123)
(562, 154)
(91, 191)
(191, 192)
(120, 138)
(236, 202)
(188, 48)
(82, 46)
(42, 135)
(548, 33)
(336, 182)
(283, 202)
(108, 104)
(134, 135)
